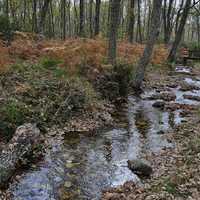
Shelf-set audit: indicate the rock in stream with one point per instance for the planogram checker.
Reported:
(140, 167)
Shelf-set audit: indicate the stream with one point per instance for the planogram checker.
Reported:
(79, 167)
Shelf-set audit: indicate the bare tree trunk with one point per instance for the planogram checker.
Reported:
(178, 16)
(82, 19)
(113, 29)
(24, 15)
(149, 18)
(91, 18)
(168, 20)
(198, 30)
(34, 25)
(52, 20)
(131, 21)
(153, 35)
(139, 28)
(179, 33)
(97, 17)
(43, 15)
(69, 18)
(63, 18)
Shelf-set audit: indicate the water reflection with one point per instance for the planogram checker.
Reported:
(81, 166)
(142, 122)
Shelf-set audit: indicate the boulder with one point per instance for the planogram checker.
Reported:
(191, 97)
(18, 149)
(140, 167)
(165, 96)
(159, 104)
(188, 87)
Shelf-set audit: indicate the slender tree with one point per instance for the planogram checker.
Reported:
(43, 13)
(131, 21)
(168, 20)
(97, 17)
(82, 19)
(91, 17)
(139, 28)
(113, 28)
(63, 18)
(180, 30)
(34, 21)
(153, 35)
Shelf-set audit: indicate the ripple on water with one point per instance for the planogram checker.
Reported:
(80, 167)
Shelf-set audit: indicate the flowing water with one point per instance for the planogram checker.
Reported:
(79, 167)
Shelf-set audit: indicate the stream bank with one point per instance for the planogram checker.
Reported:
(76, 165)
(176, 170)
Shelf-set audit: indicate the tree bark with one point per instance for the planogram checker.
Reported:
(131, 21)
(43, 15)
(153, 35)
(168, 20)
(113, 29)
(139, 28)
(20, 146)
(82, 19)
(63, 18)
(34, 21)
(172, 54)
(97, 17)
(91, 18)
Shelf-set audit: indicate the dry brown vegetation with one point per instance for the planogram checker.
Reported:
(72, 52)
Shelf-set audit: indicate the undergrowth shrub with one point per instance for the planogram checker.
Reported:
(124, 74)
(42, 97)
(13, 113)
(50, 63)
(6, 28)
(114, 81)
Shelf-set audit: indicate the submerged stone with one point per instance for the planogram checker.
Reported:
(159, 104)
(140, 167)
(161, 132)
(192, 97)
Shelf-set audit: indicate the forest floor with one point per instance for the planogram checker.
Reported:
(70, 85)
(176, 170)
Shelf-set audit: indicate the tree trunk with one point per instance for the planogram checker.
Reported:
(43, 15)
(21, 145)
(63, 18)
(172, 54)
(34, 25)
(91, 17)
(153, 35)
(131, 21)
(113, 29)
(82, 19)
(139, 29)
(198, 30)
(168, 20)
(97, 17)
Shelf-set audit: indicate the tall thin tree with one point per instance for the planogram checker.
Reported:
(180, 31)
(131, 20)
(113, 29)
(153, 35)
(82, 18)
(97, 17)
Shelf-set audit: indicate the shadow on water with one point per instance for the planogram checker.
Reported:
(81, 166)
